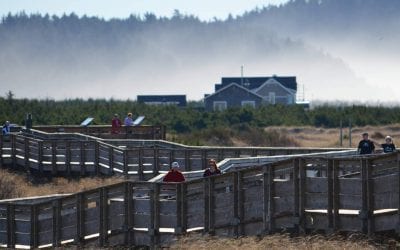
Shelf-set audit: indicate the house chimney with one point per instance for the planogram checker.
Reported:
(241, 75)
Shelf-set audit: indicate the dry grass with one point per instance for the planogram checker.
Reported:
(278, 241)
(18, 184)
(329, 137)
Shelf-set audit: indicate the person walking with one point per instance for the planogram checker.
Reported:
(212, 169)
(174, 175)
(6, 128)
(116, 124)
(128, 120)
(366, 146)
(388, 146)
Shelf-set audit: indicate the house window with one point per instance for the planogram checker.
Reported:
(289, 99)
(219, 105)
(249, 104)
(271, 96)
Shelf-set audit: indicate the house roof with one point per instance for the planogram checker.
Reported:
(231, 85)
(273, 81)
(255, 82)
(181, 99)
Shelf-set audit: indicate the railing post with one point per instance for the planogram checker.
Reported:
(220, 153)
(329, 176)
(97, 157)
(155, 214)
(179, 198)
(265, 198)
(140, 165)
(211, 204)
(364, 213)
(206, 204)
(57, 223)
(129, 214)
(80, 219)
(53, 158)
(156, 167)
(68, 158)
(111, 161)
(370, 198)
(239, 199)
(204, 162)
(82, 163)
(13, 150)
(302, 194)
(11, 226)
(236, 218)
(296, 193)
(103, 230)
(336, 196)
(27, 152)
(1, 150)
(40, 154)
(183, 207)
(188, 165)
(34, 227)
(269, 193)
(171, 155)
(125, 162)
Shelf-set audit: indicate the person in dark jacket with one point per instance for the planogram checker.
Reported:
(6, 128)
(366, 146)
(174, 175)
(388, 146)
(212, 169)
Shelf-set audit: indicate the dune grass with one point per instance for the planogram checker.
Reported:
(14, 184)
(284, 241)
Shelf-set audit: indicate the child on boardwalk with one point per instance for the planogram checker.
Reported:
(388, 146)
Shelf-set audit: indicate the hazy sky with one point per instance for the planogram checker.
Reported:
(204, 9)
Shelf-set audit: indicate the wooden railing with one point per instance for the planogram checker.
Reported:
(301, 194)
(76, 154)
(104, 131)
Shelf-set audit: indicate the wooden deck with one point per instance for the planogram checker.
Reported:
(70, 154)
(300, 194)
(264, 190)
(147, 132)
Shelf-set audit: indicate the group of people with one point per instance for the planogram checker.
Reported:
(116, 123)
(175, 175)
(367, 146)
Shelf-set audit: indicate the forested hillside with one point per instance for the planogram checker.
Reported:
(45, 56)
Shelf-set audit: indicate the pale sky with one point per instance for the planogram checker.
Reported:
(204, 9)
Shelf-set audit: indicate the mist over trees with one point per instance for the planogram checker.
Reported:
(319, 41)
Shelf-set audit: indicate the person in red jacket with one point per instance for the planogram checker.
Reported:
(116, 124)
(174, 175)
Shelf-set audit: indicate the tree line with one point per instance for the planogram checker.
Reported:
(192, 118)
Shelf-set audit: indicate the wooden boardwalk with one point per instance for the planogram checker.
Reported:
(75, 154)
(264, 190)
(301, 194)
(148, 132)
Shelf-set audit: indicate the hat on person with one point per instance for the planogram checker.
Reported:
(175, 164)
(365, 133)
(388, 138)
